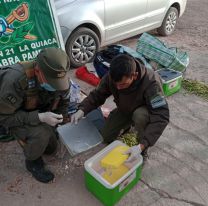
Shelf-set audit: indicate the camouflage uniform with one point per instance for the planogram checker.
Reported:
(21, 99)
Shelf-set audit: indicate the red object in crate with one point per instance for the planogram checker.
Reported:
(86, 76)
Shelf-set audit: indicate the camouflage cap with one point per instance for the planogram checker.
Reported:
(54, 63)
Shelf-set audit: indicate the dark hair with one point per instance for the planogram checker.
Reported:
(122, 65)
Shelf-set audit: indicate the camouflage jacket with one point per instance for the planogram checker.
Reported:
(14, 89)
(145, 91)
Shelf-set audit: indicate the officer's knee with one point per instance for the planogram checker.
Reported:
(44, 135)
(140, 116)
(37, 143)
(108, 137)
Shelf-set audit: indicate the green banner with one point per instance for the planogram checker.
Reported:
(26, 27)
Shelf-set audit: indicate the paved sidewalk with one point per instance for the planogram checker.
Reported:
(176, 173)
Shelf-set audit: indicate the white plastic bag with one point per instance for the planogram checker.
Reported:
(75, 92)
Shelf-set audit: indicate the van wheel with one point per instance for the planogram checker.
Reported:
(81, 46)
(169, 22)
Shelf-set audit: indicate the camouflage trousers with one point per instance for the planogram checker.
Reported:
(35, 140)
(117, 121)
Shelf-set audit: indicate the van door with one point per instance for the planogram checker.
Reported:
(156, 10)
(124, 18)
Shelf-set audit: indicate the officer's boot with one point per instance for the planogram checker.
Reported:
(36, 167)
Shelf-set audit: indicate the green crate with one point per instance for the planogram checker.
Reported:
(109, 194)
(171, 81)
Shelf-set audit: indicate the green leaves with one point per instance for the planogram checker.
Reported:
(130, 139)
(195, 87)
(20, 32)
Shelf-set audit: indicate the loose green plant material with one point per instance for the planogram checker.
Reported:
(130, 139)
(195, 87)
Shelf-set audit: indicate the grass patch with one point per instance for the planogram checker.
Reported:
(195, 87)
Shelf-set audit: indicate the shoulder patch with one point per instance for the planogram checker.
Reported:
(12, 99)
(158, 101)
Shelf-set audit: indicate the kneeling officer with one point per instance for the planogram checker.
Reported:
(33, 100)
